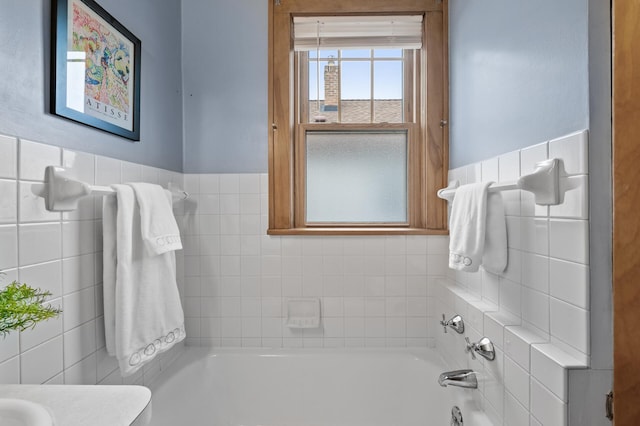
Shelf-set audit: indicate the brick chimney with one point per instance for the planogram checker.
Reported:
(331, 86)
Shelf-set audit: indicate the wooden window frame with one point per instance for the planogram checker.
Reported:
(428, 142)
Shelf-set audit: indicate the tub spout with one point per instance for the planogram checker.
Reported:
(460, 378)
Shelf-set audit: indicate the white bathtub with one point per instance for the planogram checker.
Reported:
(308, 388)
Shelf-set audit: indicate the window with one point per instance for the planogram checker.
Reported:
(358, 112)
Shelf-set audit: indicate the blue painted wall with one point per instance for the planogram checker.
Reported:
(24, 83)
(225, 48)
(518, 74)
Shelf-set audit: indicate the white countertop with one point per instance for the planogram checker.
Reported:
(81, 405)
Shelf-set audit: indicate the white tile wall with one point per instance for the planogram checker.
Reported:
(374, 290)
(536, 311)
(61, 253)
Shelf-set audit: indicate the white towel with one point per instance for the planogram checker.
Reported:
(109, 260)
(143, 313)
(495, 255)
(159, 228)
(478, 233)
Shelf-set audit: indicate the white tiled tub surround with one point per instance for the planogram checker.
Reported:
(536, 312)
(62, 253)
(374, 291)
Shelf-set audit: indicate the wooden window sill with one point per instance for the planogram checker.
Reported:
(357, 231)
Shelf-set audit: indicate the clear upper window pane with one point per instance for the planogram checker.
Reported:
(356, 86)
(387, 83)
(324, 95)
(356, 177)
(316, 85)
(356, 53)
(388, 92)
(387, 53)
(355, 80)
(355, 92)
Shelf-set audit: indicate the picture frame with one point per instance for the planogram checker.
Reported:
(95, 69)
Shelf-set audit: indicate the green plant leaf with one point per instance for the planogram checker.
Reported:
(22, 307)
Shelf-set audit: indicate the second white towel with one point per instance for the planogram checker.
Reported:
(159, 228)
(478, 232)
(142, 309)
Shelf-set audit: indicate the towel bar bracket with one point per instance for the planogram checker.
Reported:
(548, 183)
(61, 193)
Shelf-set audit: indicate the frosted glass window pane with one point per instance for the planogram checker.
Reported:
(356, 176)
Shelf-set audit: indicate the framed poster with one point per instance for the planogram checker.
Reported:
(95, 71)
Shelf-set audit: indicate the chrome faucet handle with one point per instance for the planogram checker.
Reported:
(484, 347)
(455, 322)
(444, 324)
(470, 347)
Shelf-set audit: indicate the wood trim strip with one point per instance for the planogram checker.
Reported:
(347, 7)
(300, 182)
(271, 120)
(434, 103)
(302, 58)
(280, 173)
(445, 110)
(357, 231)
(420, 119)
(626, 203)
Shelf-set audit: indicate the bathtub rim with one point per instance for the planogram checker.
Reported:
(192, 354)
